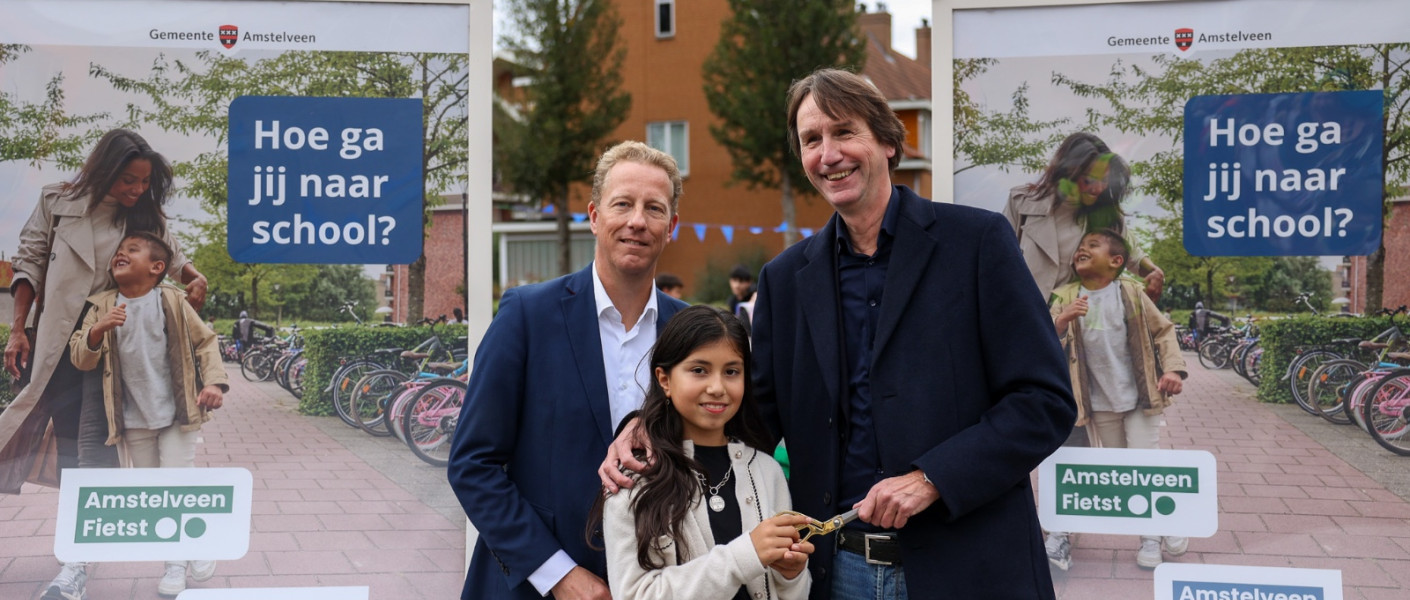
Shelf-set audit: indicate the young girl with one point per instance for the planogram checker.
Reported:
(713, 478)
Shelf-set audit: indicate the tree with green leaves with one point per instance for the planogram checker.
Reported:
(761, 51)
(1006, 139)
(568, 50)
(1150, 101)
(37, 132)
(193, 98)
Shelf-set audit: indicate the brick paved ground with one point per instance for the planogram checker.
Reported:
(1285, 499)
(336, 507)
(324, 512)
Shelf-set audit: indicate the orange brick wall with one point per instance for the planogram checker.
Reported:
(664, 78)
(445, 268)
(1397, 241)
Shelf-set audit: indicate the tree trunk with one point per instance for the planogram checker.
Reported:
(416, 289)
(1209, 288)
(565, 236)
(254, 298)
(790, 216)
(1375, 279)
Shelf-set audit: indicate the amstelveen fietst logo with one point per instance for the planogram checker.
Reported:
(153, 514)
(1126, 491)
(147, 513)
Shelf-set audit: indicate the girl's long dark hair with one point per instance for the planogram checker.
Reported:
(668, 487)
(1073, 158)
(115, 150)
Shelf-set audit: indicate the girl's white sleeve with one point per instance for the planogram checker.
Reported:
(716, 574)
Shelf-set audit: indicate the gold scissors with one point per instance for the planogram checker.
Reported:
(815, 527)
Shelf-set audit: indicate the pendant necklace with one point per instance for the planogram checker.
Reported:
(716, 503)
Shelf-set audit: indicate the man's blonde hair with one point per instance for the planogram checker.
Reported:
(637, 152)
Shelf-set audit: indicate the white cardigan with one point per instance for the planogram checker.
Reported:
(710, 571)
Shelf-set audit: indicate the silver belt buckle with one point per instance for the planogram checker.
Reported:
(866, 541)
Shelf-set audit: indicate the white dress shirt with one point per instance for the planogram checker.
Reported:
(628, 370)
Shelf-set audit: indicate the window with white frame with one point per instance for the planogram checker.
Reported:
(665, 18)
(924, 121)
(671, 137)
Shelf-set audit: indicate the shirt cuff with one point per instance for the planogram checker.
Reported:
(551, 572)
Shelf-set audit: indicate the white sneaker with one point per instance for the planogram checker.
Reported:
(1176, 546)
(174, 581)
(70, 584)
(201, 570)
(1149, 555)
(1059, 550)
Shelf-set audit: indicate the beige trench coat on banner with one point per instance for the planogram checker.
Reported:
(1048, 235)
(62, 277)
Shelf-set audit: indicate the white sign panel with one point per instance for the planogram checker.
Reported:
(1186, 581)
(1126, 491)
(153, 514)
(306, 593)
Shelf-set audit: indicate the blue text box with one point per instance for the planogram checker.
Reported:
(1283, 174)
(325, 180)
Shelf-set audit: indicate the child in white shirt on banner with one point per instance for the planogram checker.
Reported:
(1125, 363)
(163, 374)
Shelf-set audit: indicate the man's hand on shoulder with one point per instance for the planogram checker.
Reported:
(620, 455)
(894, 500)
(581, 584)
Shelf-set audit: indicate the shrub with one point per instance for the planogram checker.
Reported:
(1280, 340)
(324, 348)
(6, 394)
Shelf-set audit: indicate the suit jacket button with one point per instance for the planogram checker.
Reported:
(739, 454)
(827, 498)
(758, 594)
(748, 499)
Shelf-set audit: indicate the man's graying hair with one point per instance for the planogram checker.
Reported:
(843, 94)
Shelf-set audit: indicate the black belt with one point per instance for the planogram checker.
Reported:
(877, 548)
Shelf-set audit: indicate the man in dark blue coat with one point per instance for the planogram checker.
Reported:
(908, 360)
(559, 366)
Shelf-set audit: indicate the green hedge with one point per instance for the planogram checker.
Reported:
(1280, 340)
(6, 394)
(324, 347)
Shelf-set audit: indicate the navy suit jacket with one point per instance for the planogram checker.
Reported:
(532, 432)
(968, 384)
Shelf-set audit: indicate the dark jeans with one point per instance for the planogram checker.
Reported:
(855, 579)
(80, 422)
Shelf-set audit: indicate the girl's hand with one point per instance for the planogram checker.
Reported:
(775, 536)
(793, 561)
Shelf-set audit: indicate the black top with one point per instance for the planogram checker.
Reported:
(726, 524)
(860, 280)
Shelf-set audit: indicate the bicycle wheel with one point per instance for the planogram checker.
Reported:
(1299, 375)
(1387, 412)
(1356, 396)
(256, 366)
(1236, 358)
(1213, 354)
(281, 370)
(1253, 359)
(1328, 387)
(295, 376)
(344, 382)
(370, 396)
(397, 405)
(429, 421)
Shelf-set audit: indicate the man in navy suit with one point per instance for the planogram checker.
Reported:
(907, 358)
(559, 366)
